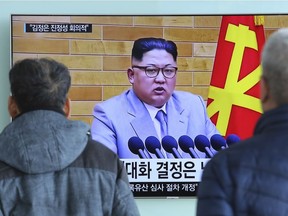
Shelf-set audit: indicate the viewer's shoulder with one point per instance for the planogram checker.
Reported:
(97, 155)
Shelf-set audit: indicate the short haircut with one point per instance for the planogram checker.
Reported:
(39, 84)
(143, 45)
(275, 65)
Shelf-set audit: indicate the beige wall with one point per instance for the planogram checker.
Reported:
(98, 60)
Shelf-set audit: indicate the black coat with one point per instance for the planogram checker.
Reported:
(250, 177)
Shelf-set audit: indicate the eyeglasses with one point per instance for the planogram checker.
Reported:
(152, 71)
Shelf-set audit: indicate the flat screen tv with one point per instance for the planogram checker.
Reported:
(97, 50)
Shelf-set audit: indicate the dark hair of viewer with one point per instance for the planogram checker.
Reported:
(39, 84)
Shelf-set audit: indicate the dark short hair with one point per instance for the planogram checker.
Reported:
(39, 84)
(143, 45)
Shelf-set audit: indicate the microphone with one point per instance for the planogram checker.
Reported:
(170, 145)
(187, 145)
(202, 144)
(218, 142)
(232, 138)
(136, 146)
(153, 146)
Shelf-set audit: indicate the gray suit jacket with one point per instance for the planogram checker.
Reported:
(119, 118)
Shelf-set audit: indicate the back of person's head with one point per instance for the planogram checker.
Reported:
(39, 84)
(143, 45)
(275, 65)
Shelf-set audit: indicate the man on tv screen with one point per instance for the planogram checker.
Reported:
(131, 123)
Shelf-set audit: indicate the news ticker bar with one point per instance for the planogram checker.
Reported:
(164, 170)
(57, 28)
(164, 189)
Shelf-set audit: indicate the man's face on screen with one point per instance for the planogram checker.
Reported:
(151, 85)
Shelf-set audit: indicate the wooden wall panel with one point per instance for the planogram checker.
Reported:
(90, 47)
(204, 49)
(85, 93)
(195, 64)
(103, 20)
(164, 21)
(99, 78)
(35, 45)
(78, 61)
(191, 35)
(207, 21)
(111, 91)
(116, 63)
(130, 33)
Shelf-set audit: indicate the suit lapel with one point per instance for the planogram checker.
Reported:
(141, 121)
(177, 123)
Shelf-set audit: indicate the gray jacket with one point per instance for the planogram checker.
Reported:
(49, 166)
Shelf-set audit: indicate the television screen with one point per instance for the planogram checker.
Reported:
(97, 50)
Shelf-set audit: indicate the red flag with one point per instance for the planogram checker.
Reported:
(233, 99)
